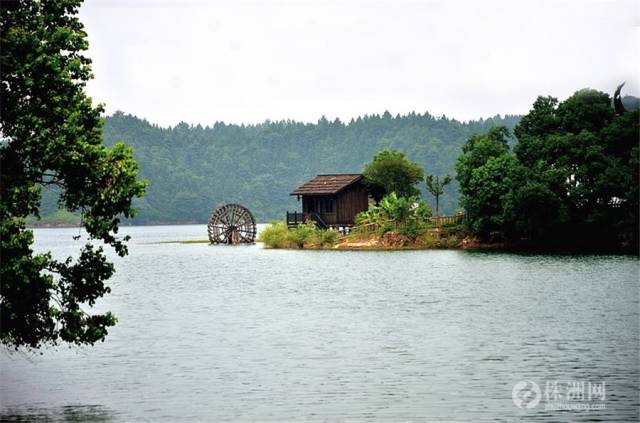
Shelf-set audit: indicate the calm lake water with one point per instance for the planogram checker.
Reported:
(243, 333)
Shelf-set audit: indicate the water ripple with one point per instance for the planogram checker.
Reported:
(228, 334)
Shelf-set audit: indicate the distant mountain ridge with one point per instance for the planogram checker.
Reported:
(194, 169)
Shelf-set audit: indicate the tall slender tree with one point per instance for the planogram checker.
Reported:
(435, 185)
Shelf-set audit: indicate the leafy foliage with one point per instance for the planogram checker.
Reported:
(477, 151)
(326, 237)
(412, 228)
(278, 235)
(275, 235)
(52, 137)
(391, 172)
(489, 186)
(408, 215)
(302, 234)
(572, 180)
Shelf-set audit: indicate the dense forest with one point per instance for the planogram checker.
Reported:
(193, 169)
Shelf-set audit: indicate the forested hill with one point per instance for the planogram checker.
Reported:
(193, 169)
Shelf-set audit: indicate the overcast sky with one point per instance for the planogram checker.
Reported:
(247, 61)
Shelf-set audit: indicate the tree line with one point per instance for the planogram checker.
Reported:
(193, 169)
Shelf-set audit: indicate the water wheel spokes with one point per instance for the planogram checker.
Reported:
(232, 224)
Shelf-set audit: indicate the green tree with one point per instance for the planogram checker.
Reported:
(52, 137)
(477, 151)
(587, 157)
(390, 171)
(482, 187)
(435, 185)
(488, 189)
(572, 182)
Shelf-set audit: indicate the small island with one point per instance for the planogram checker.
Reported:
(565, 179)
(387, 236)
(365, 212)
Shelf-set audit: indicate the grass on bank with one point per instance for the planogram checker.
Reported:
(278, 235)
(423, 235)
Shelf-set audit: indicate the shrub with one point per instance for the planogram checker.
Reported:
(386, 227)
(458, 230)
(302, 234)
(393, 211)
(278, 235)
(397, 208)
(328, 237)
(412, 229)
(421, 210)
(275, 235)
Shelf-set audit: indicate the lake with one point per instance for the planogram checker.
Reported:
(242, 333)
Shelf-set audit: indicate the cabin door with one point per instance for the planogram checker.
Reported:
(310, 206)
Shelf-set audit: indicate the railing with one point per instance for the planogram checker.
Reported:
(368, 228)
(448, 220)
(319, 220)
(296, 218)
(437, 221)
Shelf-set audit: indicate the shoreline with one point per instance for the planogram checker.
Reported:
(376, 245)
(467, 244)
(360, 245)
(477, 248)
(76, 225)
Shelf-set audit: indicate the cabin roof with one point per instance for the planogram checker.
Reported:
(327, 184)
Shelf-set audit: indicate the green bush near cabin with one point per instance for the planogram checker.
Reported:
(328, 237)
(413, 229)
(303, 234)
(275, 235)
(278, 235)
(406, 215)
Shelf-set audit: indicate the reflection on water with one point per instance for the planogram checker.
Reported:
(242, 333)
(70, 413)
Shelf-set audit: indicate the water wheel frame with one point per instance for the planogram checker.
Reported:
(231, 224)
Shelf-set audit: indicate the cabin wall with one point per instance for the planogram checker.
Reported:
(340, 209)
(351, 201)
(320, 204)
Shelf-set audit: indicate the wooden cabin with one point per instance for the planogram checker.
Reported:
(332, 201)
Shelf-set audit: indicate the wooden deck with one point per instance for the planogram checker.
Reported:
(295, 218)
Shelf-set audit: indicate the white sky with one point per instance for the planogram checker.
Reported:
(247, 61)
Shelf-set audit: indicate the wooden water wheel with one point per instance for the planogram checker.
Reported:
(232, 224)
